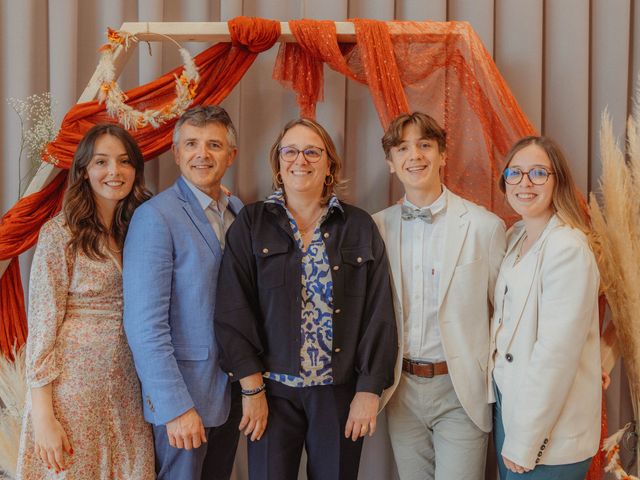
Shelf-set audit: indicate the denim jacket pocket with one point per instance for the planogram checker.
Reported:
(355, 261)
(271, 263)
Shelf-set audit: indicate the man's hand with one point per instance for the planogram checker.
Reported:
(606, 380)
(362, 415)
(186, 431)
(514, 467)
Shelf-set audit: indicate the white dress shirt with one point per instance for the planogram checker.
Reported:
(219, 216)
(422, 247)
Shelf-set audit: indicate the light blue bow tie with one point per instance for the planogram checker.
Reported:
(423, 214)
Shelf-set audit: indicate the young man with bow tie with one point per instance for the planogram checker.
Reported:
(445, 254)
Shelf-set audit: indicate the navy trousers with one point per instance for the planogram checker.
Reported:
(309, 417)
(571, 471)
(212, 460)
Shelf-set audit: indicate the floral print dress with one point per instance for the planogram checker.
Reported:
(77, 343)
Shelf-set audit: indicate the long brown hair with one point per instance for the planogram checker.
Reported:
(567, 201)
(88, 234)
(336, 183)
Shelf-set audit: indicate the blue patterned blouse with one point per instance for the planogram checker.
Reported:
(316, 324)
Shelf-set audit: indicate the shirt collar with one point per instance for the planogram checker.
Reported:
(438, 206)
(277, 197)
(205, 200)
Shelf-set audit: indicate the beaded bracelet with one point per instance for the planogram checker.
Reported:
(255, 391)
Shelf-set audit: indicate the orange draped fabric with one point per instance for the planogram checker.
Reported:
(299, 66)
(382, 73)
(13, 330)
(221, 67)
(438, 68)
(21, 224)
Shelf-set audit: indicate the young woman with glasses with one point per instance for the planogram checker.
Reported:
(304, 315)
(545, 352)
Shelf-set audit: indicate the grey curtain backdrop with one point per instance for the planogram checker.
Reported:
(565, 61)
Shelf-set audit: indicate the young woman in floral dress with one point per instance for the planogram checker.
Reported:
(83, 418)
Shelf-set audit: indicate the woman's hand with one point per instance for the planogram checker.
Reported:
(362, 415)
(49, 438)
(50, 442)
(514, 467)
(255, 409)
(606, 380)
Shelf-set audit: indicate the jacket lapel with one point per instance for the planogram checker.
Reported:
(393, 227)
(456, 228)
(194, 211)
(526, 275)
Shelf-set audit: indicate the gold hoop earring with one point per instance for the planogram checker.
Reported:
(330, 178)
(279, 179)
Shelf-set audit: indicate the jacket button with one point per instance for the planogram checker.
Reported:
(337, 350)
(359, 259)
(265, 250)
(231, 374)
(337, 310)
(326, 235)
(546, 440)
(336, 267)
(509, 357)
(537, 460)
(543, 447)
(539, 454)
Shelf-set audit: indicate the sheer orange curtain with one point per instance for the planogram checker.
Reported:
(438, 68)
(221, 67)
(299, 66)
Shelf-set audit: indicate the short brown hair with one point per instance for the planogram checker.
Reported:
(201, 116)
(429, 129)
(335, 162)
(566, 201)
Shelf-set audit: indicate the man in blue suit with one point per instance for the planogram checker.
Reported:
(171, 259)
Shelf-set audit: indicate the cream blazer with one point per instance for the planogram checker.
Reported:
(551, 396)
(474, 247)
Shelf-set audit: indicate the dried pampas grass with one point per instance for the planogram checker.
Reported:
(13, 391)
(616, 232)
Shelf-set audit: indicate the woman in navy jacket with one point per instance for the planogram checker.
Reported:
(304, 315)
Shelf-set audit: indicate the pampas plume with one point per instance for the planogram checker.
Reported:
(13, 391)
(616, 234)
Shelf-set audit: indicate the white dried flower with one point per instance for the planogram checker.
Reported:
(38, 128)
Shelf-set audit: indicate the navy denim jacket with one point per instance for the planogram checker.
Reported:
(258, 305)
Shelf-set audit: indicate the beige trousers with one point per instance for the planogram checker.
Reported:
(431, 435)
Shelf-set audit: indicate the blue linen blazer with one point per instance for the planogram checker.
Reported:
(170, 271)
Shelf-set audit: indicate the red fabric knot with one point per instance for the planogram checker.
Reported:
(255, 34)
